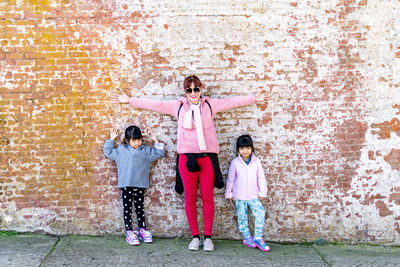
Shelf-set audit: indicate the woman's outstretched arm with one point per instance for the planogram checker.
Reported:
(169, 107)
(238, 101)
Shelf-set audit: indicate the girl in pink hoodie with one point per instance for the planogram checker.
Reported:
(197, 146)
(246, 185)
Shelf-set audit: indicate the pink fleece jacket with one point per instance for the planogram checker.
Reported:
(246, 182)
(187, 138)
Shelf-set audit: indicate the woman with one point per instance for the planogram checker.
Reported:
(197, 146)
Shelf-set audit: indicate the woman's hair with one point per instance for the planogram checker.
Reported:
(244, 141)
(132, 132)
(192, 80)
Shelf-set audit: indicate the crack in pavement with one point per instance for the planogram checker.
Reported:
(50, 251)
(322, 257)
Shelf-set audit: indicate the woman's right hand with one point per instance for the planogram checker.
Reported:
(122, 98)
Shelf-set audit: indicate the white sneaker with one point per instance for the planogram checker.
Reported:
(194, 244)
(132, 238)
(208, 245)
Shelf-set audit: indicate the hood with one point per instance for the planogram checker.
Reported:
(184, 99)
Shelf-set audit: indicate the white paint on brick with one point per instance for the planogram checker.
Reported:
(382, 98)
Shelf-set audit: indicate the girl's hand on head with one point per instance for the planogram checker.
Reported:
(113, 134)
(154, 136)
(122, 98)
(262, 96)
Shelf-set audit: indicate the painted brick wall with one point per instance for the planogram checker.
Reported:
(329, 137)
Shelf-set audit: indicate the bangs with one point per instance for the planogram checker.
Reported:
(191, 80)
(133, 132)
(244, 141)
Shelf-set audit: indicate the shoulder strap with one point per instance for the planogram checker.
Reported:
(179, 109)
(209, 106)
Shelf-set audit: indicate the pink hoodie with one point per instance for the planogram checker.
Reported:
(246, 182)
(187, 138)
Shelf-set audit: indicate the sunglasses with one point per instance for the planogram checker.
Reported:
(189, 90)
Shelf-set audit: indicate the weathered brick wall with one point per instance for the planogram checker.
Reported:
(329, 137)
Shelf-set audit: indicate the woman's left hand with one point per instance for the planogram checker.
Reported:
(262, 96)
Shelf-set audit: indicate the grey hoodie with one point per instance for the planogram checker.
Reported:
(133, 165)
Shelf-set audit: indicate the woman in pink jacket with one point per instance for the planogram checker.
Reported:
(246, 185)
(197, 147)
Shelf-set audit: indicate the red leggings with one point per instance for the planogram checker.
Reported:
(189, 179)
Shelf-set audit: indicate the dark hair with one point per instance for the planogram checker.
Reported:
(132, 132)
(192, 80)
(244, 141)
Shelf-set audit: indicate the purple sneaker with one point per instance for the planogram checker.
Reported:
(131, 238)
(260, 243)
(248, 241)
(145, 236)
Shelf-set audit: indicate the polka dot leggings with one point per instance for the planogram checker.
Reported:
(137, 195)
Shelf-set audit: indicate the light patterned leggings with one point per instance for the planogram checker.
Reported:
(259, 216)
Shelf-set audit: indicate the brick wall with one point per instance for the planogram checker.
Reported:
(329, 137)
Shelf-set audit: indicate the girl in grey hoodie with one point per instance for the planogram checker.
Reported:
(133, 161)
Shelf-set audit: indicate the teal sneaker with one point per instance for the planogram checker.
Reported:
(248, 241)
(260, 243)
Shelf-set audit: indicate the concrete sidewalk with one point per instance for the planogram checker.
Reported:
(42, 250)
